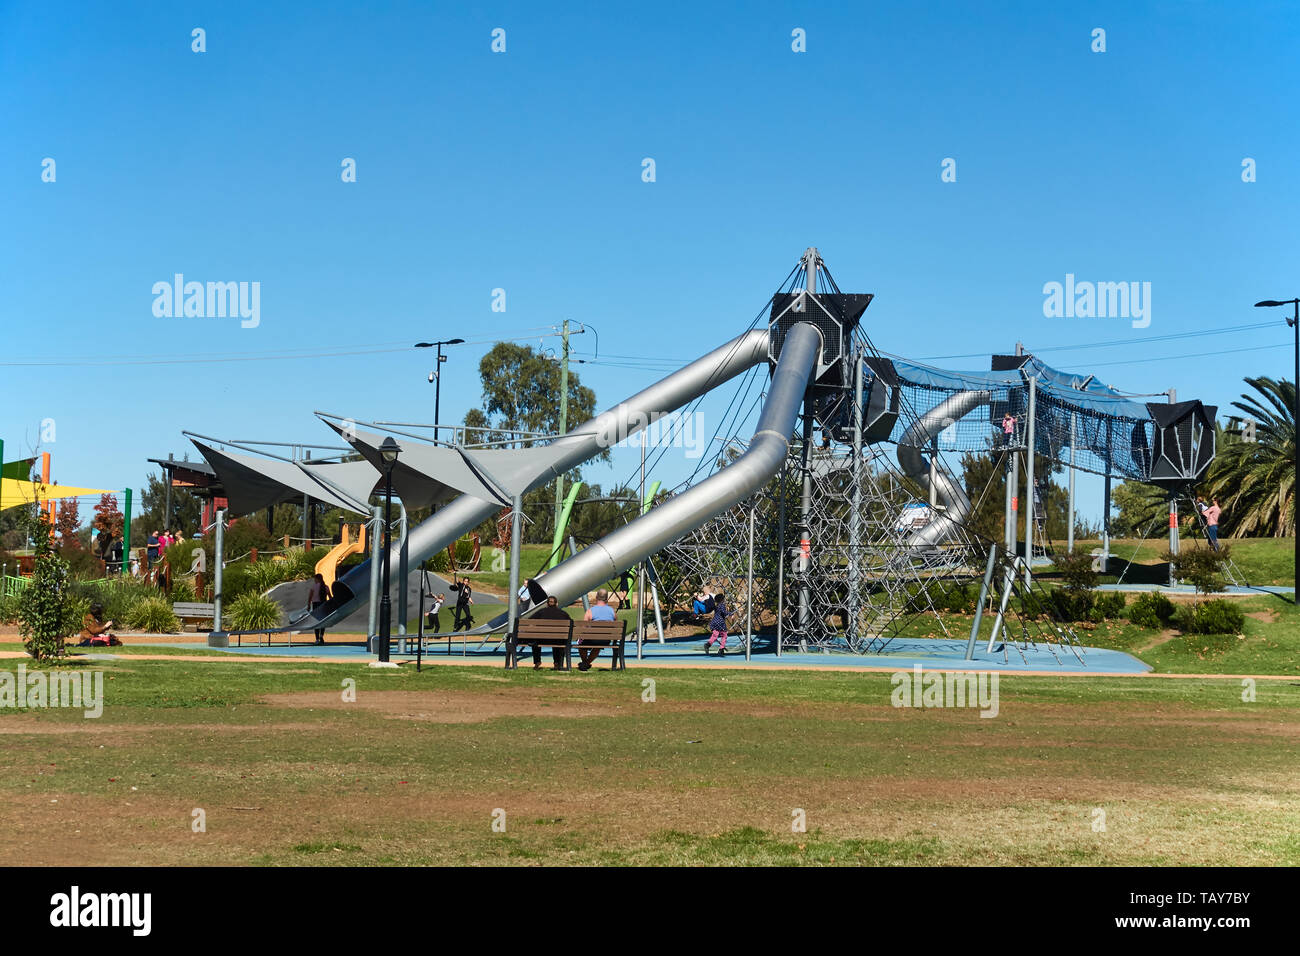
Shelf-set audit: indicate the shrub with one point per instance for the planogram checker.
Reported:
(1201, 567)
(959, 599)
(183, 593)
(1066, 604)
(154, 615)
(117, 594)
(1107, 605)
(1210, 617)
(1076, 570)
(1152, 610)
(46, 607)
(439, 563)
(251, 612)
(8, 609)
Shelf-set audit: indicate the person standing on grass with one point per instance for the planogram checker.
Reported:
(550, 612)
(599, 611)
(1212, 514)
(718, 625)
(319, 594)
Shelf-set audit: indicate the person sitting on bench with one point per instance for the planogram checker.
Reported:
(94, 629)
(551, 612)
(600, 611)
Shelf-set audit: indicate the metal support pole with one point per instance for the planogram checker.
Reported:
(979, 605)
(419, 627)
(1008, 580)
(219, 548)
(403, 571)
(564, 410)
(1029, 481)
(516, 531)
(805, 531)
(385, 600)
(306, 511)
(1105, 508)
(372, 623)
(1173, 536)
(1013, 516)
(573, 549)
(782, 557)
(1069, 508)
(855, 513)
(640, 574)
(749, 597)
(126, 534)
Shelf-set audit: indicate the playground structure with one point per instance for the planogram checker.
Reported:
(833, 544)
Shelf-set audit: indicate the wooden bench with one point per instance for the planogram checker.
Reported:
(611, 634)
(194, 612)
(540, 632)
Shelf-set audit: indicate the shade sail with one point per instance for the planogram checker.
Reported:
(252, 483)
(426, 475)
(14, 493)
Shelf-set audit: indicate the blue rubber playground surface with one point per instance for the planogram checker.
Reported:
(933, 653)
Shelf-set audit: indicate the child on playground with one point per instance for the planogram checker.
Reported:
(719, 624)
(432, 617)
(1008, 428)
(318, 595)
(1211, 515)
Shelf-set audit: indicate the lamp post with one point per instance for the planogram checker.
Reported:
(436, 377)
(1294, 322)
(389, 450)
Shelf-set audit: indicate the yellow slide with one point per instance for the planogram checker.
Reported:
(327, 567)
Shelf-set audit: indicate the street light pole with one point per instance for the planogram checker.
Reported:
(436, 377)
(1294, 322)
(389, 450)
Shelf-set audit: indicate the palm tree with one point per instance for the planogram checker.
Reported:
(1255, 480)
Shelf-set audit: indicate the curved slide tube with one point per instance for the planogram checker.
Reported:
(947, 491)
(661, 526)
(587, 440)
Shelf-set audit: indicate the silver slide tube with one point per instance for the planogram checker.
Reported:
(663, 525)
(628, 417)
(945, 490)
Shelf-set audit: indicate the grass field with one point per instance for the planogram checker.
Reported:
(586, 771)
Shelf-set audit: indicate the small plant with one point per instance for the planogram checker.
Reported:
(8, 609)
(154, 615)
(1107, 605)
(183, 593)
(1201, 567)
(1151, 610)
(1210, 617)
(45, 607)
(1066, 604)
(253, 612)
(1076, 570)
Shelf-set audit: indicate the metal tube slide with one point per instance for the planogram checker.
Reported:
(914, 464)
(628, 417)
(663, 525)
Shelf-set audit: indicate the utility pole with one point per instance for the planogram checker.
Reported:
(564, 409)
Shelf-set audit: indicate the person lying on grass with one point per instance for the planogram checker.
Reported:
(94, 629)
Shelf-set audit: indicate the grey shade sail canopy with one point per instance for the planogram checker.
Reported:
(254, 483)
(425, 475)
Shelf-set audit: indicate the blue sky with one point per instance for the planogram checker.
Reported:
(522, 171)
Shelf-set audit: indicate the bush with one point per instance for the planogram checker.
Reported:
(440, 563)
(1210, 617)
(1151, 610)
(1201, 567)
(1107, 605)
(117, 594)
(8, 609)
(46, 606)
(154, 615)
(1076, 571)
(958, 598)
(1066, 604)
(253, 612)
(183, 593)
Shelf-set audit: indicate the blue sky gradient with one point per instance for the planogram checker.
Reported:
(522, 171)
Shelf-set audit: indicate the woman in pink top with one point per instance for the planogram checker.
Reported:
(1212, 522)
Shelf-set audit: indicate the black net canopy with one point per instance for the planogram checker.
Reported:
(1075, 417)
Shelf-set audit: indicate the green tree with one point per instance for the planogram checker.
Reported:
(46, 607)
(521, 391)
(1254, 480)
(984, 479)
(1137, 507)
